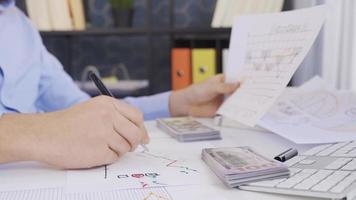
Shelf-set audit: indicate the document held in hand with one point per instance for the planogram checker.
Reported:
(265, 51)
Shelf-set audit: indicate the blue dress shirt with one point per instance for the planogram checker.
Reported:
(32, 80)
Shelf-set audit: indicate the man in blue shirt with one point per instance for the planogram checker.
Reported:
(46, 118)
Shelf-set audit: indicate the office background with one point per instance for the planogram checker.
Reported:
(160, 25)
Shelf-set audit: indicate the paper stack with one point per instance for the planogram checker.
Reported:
(240, 165)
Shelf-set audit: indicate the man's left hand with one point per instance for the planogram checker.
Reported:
(201, 99)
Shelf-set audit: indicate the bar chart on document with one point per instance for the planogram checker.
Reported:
(140, 170)
(267, 51)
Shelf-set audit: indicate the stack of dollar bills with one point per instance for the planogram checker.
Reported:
(186, 129)
(241, 165)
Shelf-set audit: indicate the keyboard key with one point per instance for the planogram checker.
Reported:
(313, 179)
(352, 153)
(307, 162)
(348, 147)
(351, 166)
(270, 183)
(332, 149)
(294, 180)
(340, 187)
(341, 154)
(294, 160)
(316, 150)
(330, 181)
(293, 171)
(338, 163)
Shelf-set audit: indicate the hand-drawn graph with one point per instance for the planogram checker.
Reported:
(170, 162)
(149, 178)
(321, 109)
(271, 56)
(319, 104)
(165, 160)
(141, 169)
(267, 51)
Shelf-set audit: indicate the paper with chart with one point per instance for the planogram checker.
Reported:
(313, 113)
(164, 165)
(265, 51)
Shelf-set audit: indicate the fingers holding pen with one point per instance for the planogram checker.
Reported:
(135, 116)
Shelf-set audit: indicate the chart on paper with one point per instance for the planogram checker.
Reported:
(143, 169)
(319, 115)
(267, 51)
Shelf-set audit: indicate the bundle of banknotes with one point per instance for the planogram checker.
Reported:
(186, 129)
(241, 165)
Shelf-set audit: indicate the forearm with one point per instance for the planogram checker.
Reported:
(17, 137)
(154, 106)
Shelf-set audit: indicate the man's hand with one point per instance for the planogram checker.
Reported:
(202, 99)
(90, 134)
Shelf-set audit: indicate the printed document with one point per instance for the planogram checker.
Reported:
(313, 113)
(265, 51)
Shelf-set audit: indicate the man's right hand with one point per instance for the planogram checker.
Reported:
(90, 134)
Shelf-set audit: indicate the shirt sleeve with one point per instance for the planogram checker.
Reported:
(153, 107)
(57, 90)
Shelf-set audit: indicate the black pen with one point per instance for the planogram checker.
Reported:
(105, 91)
(286, 155)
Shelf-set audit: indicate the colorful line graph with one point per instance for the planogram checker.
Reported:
(154, 169)
(169, 162)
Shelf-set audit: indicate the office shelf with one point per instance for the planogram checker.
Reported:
(177, 32)
(191, 37)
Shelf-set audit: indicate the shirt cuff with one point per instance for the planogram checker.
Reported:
(153, 107)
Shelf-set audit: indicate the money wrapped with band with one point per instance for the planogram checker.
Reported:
(236, 166)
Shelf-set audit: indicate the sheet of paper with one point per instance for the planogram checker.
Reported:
(313, 113)
(29, 175)
(164, 165)
(210, 192)
(34, 194)
(265, 51)
(157, 193)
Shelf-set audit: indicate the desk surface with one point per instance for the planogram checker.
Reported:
(265, 143)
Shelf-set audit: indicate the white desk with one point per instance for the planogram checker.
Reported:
(265, 143)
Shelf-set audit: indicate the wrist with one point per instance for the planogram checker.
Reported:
(18, 138)
(179, 103)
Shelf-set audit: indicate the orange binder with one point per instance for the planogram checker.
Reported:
(181, 68)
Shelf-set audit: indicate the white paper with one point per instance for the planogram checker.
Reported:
(34, 194)
(29, 175)
(159, 193)
(313, 114)
(265, 51)
(164, 165)
(206, 192)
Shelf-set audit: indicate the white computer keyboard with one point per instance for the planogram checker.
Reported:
(325, 171)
